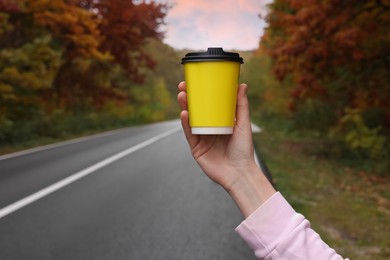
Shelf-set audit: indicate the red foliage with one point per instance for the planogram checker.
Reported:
(9, 6)
(125, 26)
(333, 50)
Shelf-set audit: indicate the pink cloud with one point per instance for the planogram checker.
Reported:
(233, 24)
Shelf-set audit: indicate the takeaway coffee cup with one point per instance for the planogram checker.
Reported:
(212, 82)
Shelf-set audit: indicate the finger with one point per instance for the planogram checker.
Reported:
(242, 111)
(192, 139)
(182, 86)
(182, 99)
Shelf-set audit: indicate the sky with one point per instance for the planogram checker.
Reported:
(198, 24)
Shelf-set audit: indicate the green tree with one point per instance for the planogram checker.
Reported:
(168, 66)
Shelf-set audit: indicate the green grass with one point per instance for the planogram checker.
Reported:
(348, 207)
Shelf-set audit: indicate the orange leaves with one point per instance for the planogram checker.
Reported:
(307, 86)
(335, 52)
(77, 27)
(99, 44)
(71, 57)
(348, 37)
(311, 16)
(314, 36)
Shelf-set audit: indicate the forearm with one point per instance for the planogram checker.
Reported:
(251, 190)
(276, 231)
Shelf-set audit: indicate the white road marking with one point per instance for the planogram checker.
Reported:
(76, 176)
(255, 129)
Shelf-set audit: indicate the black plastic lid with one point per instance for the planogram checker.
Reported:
(212, 54)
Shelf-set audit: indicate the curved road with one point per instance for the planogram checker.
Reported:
(137, 194)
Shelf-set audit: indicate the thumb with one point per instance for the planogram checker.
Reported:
(242, 110)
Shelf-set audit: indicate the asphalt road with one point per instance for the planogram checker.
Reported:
(153, 203)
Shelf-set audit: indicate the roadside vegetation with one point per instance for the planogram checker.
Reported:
(348, 205)
(150, 101)
(65, 72)
(343, 192)
(319, 88)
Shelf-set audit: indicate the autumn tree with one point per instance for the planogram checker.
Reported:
(24, 74)
(28, 66)
(337, 54)
(125, 26)
(72, 56)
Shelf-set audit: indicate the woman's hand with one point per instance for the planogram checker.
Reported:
(229, 159)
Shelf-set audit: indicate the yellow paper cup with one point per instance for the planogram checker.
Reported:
(212, 81)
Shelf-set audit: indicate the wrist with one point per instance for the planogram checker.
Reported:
(250, 190)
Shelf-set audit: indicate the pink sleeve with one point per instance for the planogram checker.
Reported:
(276, 231)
